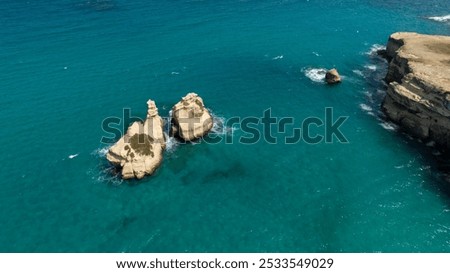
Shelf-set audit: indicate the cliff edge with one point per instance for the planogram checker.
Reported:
(418, 94)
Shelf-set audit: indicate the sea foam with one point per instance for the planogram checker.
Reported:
(371, 67)
(389, 126)
(365, 107)
(72, 156)
(315, 74)
(443, 19)
(374, 49)
(100, 152)
(358, 72)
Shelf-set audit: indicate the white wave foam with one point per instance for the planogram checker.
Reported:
(365, 107)
(369, 96)
(101, 152)
(171, 143)
(389, 126)
(104, 173)
(442, 19)
(374, 49)
(315, 74)
(175, 73)
(72, 156)
(371, 67)
(219, 125)
(278, 57)
(359, 73)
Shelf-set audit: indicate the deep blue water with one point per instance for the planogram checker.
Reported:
(67, 65)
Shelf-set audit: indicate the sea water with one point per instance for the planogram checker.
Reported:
(68, 65)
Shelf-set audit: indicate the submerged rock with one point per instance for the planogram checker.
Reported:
(332, 76)
(190, 118)
(418, 94)
(140, 151)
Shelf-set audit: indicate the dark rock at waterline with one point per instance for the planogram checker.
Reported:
(332, 76)
(383, 54)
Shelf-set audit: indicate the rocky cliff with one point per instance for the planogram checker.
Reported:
(418, 95)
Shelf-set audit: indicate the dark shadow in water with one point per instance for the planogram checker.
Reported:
(443, 175)
(438, 178)
(230, 173)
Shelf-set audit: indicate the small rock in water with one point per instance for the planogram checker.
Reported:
(332, 76)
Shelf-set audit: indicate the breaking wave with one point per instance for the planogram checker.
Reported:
(374, 49)
(315, 74)
(104, 172)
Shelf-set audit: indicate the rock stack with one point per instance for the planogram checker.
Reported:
(190, 118)
(140, 151)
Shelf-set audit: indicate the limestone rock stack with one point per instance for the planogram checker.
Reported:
(140, 151)
(190, 118)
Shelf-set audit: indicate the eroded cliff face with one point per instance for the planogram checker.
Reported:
(418, 95)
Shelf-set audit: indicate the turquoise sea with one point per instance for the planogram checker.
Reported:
(67, 65)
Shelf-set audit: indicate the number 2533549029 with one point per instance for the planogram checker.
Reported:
(295, 263)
